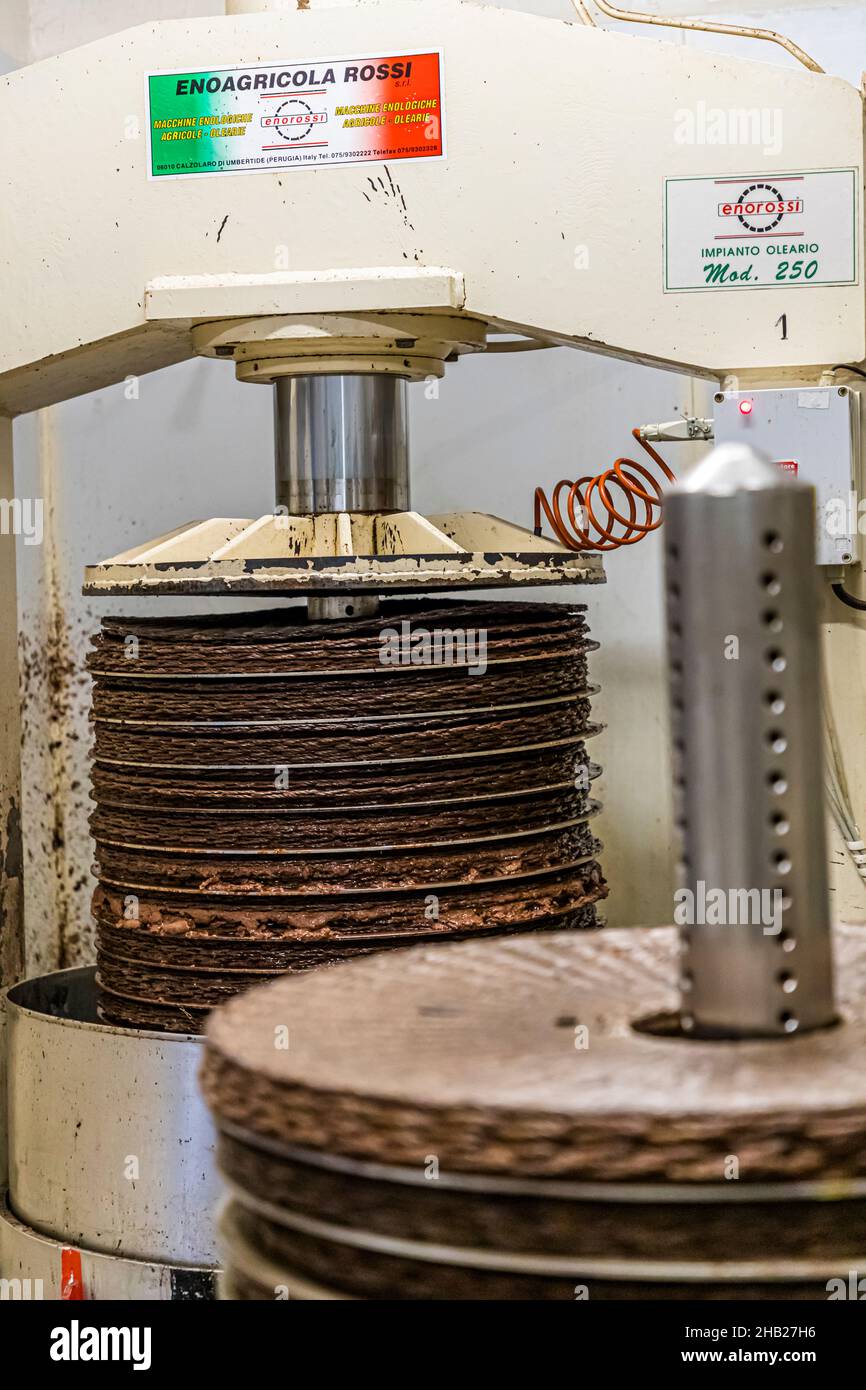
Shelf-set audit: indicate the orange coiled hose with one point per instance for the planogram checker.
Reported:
(595, 528)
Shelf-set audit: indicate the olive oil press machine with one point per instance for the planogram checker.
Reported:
(336, 201)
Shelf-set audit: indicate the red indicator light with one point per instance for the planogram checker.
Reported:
(746, 407)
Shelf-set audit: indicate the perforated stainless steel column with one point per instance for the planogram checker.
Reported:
(341, 444)
(742, 593)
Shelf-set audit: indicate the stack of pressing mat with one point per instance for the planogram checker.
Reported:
(274, 793)
(521, 1118)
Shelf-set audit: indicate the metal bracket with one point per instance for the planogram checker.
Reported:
(689, 428)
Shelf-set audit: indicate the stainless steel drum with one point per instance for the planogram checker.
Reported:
(110, 1145)
(38, 1267)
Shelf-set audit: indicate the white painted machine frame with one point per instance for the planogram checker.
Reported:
(545, 217)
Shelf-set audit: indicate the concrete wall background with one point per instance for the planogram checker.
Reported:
(193, 442)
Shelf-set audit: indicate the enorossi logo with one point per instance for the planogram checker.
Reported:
(757, 231)
(293, 119)
(761, 207)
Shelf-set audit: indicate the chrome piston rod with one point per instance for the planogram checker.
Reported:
(742, 600)
(341, 444)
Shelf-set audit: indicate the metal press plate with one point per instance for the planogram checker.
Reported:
(342, 553)
(405, 574)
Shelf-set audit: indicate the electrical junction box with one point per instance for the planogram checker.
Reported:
(813, 432)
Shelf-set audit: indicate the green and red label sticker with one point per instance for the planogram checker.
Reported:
(328, 111)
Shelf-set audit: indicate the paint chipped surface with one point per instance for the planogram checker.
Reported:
(55, 698)
(11, 892)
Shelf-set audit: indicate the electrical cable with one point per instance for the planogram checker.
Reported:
(846, 367)
(852, 602)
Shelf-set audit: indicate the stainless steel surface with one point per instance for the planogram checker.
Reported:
(687, 427)
(332, 607)
(110, 1144)
(742, 597)
(34, 1265)
(341, 444)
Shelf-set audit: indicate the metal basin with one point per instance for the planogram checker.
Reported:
(38, 1267)
(110, 1145)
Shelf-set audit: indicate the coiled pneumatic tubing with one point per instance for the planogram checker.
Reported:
(595, 527)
